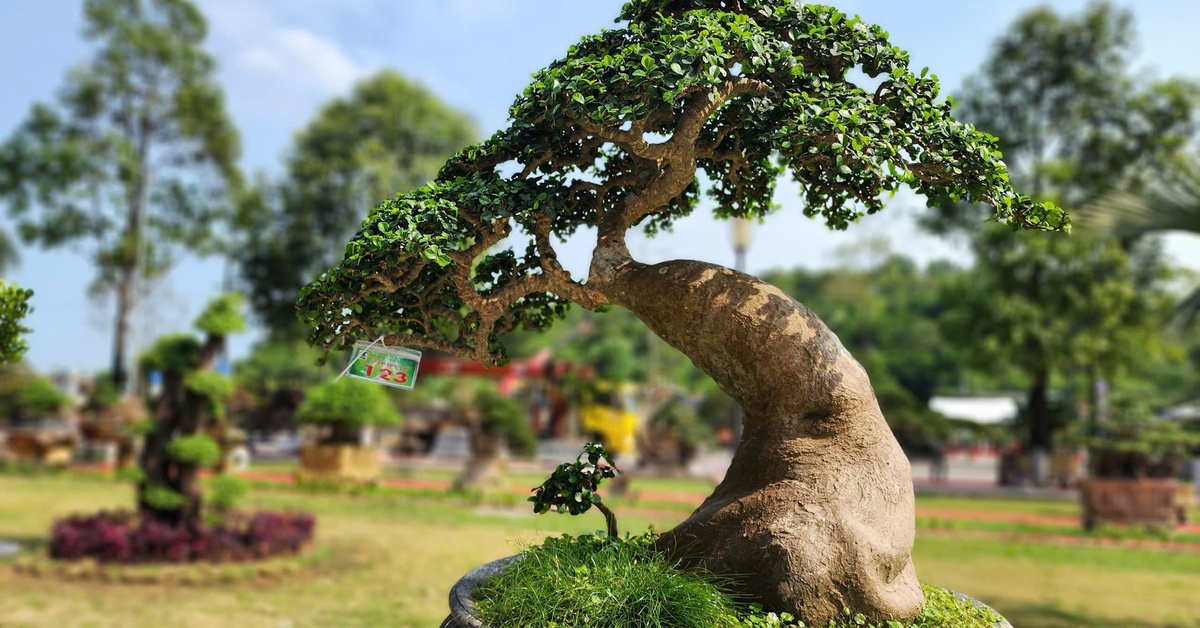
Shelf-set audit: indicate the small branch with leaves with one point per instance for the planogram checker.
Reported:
(572, 487)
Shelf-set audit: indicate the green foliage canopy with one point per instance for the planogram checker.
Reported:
(41, 398)
(196, 449)
(348, 401)
(389, 135)
(504, 416)
(222, 315)
(613, 136)
(214, 387)
(14, 307)
(1072, 114)
(136, 157)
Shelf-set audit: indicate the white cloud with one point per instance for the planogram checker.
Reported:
(279, 53)
(300, 57)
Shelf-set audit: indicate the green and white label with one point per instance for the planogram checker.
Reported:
(390, 366)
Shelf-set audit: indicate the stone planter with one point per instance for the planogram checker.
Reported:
(463, 613)
(338, 463)
(1129, 502)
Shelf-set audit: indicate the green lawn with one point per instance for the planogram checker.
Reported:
(394, 557)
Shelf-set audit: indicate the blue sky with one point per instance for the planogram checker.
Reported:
(280, 59)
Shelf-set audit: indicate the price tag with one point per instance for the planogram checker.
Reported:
(390, 366)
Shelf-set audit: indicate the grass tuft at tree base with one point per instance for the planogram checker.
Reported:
(594, 581)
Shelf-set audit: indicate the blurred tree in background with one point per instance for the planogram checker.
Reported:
(14, 307)
(188, 412)
(1071, 113)
(1057, 306)
(1171, 202)
(136, 157)
(275, 375)
(1073, 117)
(389, 136)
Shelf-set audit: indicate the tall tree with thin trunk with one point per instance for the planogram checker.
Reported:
(135, 158)
(1072, 116)
(816, 511)
(388, 136)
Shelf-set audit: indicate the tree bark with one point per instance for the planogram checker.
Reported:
(121, 331)
(1040, 435)
(815, 513)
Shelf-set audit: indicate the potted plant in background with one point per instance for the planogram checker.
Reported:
(614, 137)
(1135, 462)
(494, 422)
(340, 409)
(41, 432)
(671, 437)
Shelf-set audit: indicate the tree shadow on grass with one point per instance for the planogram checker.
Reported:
(1051, 616)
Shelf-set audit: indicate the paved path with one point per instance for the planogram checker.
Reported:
(8, 548)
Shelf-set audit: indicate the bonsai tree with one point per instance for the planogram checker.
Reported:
(493, 420)
(1135, 444)
(192, 400)
(344, 406)
(40, 399)
(817, 505)
(672, 434)
(571, 488)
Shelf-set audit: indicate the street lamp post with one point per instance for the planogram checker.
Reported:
(741, 232)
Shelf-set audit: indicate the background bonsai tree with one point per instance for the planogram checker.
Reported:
(672, 435)
(191, 401)
(817, 505)
(343, 406)
(1135, 444)
(571, 488)
(494, 421)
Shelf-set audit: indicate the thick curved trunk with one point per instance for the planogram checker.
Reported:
(816, 511)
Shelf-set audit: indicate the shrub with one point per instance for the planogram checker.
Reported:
(198, 449)
(41, 398)
(592, 581)
(677, 418)
(1135, 443)
(123, 537)
(350, 401)
(504, 416)
(225, 491)
(214, 387)
(601, 581)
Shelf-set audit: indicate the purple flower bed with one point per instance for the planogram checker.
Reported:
(124, 537)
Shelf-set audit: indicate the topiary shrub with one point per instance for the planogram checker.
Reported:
(197, 449)
(41, 398)
(189, 407)
(344, 406)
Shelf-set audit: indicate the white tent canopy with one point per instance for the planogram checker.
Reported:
(979, 410)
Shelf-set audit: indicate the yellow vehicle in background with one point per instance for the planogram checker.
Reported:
(608, 412)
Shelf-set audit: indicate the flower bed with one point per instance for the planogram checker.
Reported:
(123, 537)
